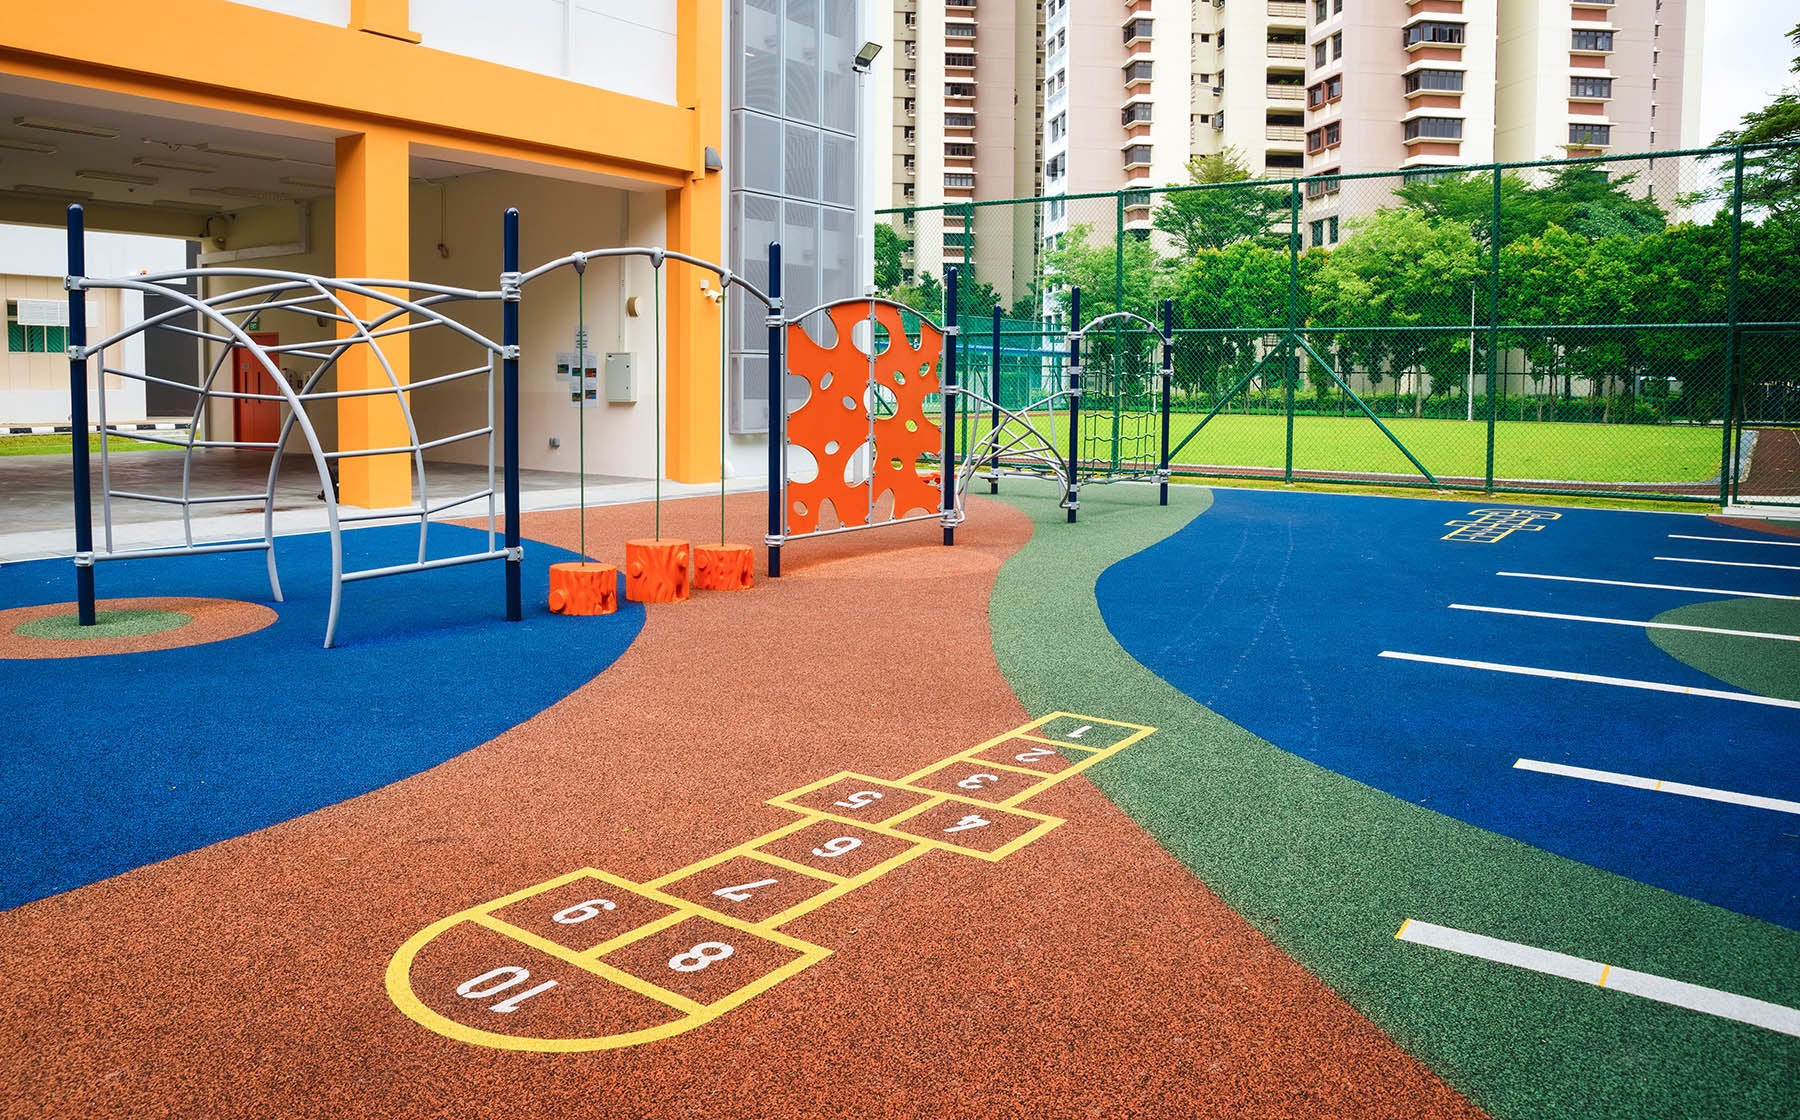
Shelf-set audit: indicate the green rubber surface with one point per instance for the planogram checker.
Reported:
(1760, 665)
(1330, 868)
(107, 624)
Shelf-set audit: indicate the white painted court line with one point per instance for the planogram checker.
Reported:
(1733, 540)
(1629, 622)
(1659, 786)
(1708, 1001)
(1593, 678)
(1654, 586)
(1727, 563)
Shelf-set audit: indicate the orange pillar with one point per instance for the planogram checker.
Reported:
(373, 239)
(695, 220)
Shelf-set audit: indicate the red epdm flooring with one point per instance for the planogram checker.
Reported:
(1087, 974)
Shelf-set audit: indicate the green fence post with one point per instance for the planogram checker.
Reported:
(1290, 339)
(1728, 480)
(1493, 409)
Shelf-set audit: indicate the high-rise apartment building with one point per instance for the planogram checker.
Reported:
(964, 127)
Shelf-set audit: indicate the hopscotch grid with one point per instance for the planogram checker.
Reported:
(398, 982)
(940, 767)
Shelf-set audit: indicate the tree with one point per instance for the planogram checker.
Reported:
(1581, 198)
(1210, 215)
(890, 249)
(1241, 288)
(1771, 177)
(1113, 275)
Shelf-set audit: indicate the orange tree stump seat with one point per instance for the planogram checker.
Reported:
(724, 567)
(657, 571)
(577, 587)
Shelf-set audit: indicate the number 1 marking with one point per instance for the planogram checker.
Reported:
(1080, 731)
(742, 892)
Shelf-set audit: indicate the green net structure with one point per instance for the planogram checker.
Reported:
(1625, 326)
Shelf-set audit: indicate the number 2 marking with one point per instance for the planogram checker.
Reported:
(742, 892)
(497, 980)
(858, 799)
(976, 781)
(968, 822)
(1034, 754)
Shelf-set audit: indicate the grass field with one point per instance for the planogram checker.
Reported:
(1588, 453)
(60, 445)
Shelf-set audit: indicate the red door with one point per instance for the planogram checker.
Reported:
(256, 421)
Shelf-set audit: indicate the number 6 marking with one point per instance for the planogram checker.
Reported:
(968, 822)
(976, 781)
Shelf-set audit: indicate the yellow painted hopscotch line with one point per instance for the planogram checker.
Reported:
(908, 815)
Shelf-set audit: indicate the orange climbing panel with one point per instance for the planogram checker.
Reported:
(657, 570)
(723, 567)
(577, 587)
(835, 423)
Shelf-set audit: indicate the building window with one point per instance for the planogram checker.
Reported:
(1138, 71)
(1450, 81)
(955, 180)
(959, 60)
(1434, 128)
(959, 31)
(1432, 32)
(1315, 96)
(1315, 140)
(1138, 29)
(1318, 232)
(1591, 40)
(1337, 45)
(1137, 153)
(1337, 6)
(959, 120)
(1319, 15)
(1334, 87)
(1334, 134)
(1319, 53)
(22, 339)
(1137, 114)
(1590, 87)
(1322, 184)
(1590, 135)
(958, 89)
(960, 151)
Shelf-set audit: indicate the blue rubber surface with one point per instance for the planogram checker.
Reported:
(113, 762)
(1272, 609)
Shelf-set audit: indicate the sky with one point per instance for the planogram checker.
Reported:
(1747, 55)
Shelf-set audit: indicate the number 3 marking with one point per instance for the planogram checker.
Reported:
(1034, 754)
(742, 893)
(835, 848)
(858, 799)
(700, 956)
(976, 781)
(968, 822)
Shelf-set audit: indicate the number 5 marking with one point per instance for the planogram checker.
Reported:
(742, 893)
(858, 799)
(968, 822)
(1034, 754)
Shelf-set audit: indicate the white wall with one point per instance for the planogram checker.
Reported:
(627, 46)
(324, 11)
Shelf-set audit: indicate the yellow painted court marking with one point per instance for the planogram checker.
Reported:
(1603, 975)
(398, 976)
(1491, 525)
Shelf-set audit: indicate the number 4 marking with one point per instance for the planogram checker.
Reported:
(743, 892)
(968, 822)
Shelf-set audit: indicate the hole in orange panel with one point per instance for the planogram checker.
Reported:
(882, 401)
(894, 463)
(912, 425)
(825, 382)
(802, 466)
(800, 508)
(831, 447)
(883, 340)
(850, 403)
(899, 377)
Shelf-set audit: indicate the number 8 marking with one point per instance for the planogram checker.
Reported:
(700, 956)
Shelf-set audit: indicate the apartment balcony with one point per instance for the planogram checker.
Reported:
(960, 7)
(1287, 50)
(1287, 13)
(1276, 91)
(1285, 133)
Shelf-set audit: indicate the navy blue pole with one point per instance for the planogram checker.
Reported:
(509, 395)
(1168, 370)
(78, 421)
(1074, 402)
(777, 413)
(994, 411)
(947, 471)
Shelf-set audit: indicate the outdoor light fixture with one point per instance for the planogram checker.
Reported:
(73, 127)
(50, 192)
(116, 177)
(27, 146)
(240, 153)
(865, 58)
(308, 184)
(712, 160)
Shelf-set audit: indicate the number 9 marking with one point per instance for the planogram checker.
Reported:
(976, 781)
(582, 911)
(835, 848)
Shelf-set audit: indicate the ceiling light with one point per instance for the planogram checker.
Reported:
(174, 165)
(308, 184)
(116, 177)
(51, 192)
(27, 146)
(243, 192)
(74, 127)
(184, 207)
(240, 153)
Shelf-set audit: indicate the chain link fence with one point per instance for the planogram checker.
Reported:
(1624, 326)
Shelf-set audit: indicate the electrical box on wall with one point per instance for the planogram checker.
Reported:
(621, 378)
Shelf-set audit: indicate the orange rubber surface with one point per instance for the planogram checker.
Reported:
(1087, 974)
